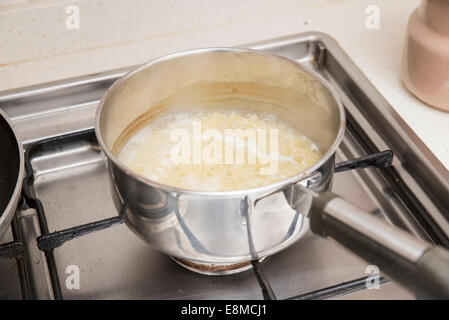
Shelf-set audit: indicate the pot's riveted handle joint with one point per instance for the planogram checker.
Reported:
(411, 261)
(306, 184)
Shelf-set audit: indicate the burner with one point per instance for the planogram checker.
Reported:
(211, 269)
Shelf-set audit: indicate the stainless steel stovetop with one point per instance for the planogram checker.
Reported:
(71, 181)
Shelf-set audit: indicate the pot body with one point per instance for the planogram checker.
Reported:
(220, 227)
(216, 229)
(425, 67)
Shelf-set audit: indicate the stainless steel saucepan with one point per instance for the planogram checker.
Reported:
(242, 225)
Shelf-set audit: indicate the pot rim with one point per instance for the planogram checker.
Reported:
(232, 193)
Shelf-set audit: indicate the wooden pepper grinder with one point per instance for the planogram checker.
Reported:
(425, 67)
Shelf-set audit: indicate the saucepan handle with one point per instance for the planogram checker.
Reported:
(414, 263)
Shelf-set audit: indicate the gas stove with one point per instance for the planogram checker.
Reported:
(67, 223)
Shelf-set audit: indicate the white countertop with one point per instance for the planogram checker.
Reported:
(37, 46)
